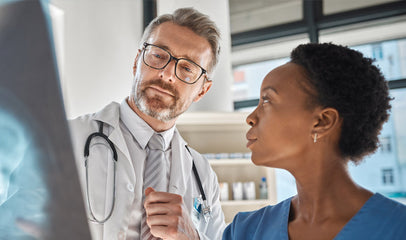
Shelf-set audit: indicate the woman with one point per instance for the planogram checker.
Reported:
(316, 113)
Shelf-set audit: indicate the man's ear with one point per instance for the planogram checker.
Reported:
(205, 88)
(135, 61)
(327, 122)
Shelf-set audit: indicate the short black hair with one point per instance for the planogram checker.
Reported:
(350, 83)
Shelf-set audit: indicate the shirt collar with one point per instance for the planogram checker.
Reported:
(139, 129)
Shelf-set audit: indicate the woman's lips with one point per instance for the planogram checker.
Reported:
(250, 137)
(250, 142)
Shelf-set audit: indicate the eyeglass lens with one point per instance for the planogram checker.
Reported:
(158, 58)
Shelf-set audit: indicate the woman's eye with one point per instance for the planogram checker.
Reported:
(265, 100)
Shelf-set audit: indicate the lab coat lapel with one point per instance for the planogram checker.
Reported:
(117, 138)
(110, 115)
(181, 166)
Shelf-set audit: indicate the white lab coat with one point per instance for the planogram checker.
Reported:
(182, 179)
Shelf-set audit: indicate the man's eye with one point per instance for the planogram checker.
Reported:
(156, 55)
(187, 69)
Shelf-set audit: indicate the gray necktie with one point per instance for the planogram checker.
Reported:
(154, 175)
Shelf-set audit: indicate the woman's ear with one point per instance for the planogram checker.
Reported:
(327, 122)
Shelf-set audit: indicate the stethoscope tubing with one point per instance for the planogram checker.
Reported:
(206, 208)
(94, 219)
(86, 155)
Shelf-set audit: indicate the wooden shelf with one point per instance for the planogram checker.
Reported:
(214, 132)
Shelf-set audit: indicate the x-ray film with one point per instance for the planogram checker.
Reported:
(40, 195)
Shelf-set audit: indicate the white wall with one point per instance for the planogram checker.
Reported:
(99, 43)
(219, 97)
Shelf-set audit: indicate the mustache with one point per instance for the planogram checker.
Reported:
(163, 85)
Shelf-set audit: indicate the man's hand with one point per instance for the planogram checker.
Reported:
(167, 216)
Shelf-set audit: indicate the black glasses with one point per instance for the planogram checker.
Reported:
(158, 58)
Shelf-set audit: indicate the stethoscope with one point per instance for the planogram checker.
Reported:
(206, 210)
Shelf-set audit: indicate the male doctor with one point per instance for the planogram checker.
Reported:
(171, 70)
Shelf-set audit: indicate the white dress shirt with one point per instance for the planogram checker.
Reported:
(137, 133)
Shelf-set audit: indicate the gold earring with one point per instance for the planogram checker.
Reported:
(315, 138)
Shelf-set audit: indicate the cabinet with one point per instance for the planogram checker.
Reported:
(221, 136)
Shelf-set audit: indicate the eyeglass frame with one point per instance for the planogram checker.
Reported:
(204, 71)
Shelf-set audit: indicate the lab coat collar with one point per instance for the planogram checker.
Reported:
(181, 167)
(110, 115)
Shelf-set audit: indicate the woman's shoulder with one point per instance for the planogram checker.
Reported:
(379, 218)
(382, 205)
(379, 207)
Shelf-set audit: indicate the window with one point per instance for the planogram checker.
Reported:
(248, 78)
(387, 176)
(386, 146)
(252, 62)
(254, 14)
(390, 56)
(390, 159)
(333, 6)
(382, 171)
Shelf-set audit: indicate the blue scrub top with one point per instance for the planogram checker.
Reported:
(379, 218)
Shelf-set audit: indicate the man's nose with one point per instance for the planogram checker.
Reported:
(168, 73)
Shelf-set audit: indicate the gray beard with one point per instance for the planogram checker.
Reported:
(163, 115)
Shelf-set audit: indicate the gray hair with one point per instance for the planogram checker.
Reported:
(196, 21)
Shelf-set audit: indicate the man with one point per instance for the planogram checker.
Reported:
(171, 70)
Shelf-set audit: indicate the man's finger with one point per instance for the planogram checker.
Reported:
(159, 231)
(165, 232)
(164, 209)
(149, 190)
(163, 197)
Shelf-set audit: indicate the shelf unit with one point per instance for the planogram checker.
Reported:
(224, 133)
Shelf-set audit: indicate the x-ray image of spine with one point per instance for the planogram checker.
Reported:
(23, 193)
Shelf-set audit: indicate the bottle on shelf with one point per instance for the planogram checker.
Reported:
(263, 189)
